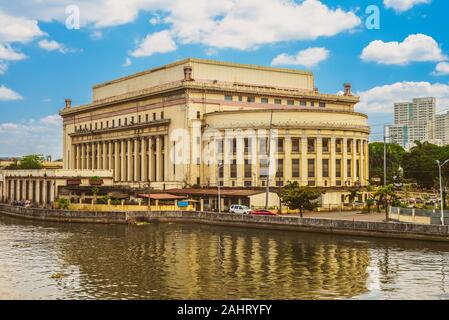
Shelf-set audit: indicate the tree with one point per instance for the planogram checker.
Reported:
(395, 153)
(369, 203)
(295, 196)
(385, 195)
(33, 161)
(420, 163)
(95, 192)
(63, 203)
(353, 194)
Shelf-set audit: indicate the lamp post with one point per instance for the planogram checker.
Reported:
(440, 165)
(148, 187)
(220, 165)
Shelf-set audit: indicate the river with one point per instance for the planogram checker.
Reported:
(44, 260)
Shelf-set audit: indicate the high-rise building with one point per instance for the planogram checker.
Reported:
(413, 121)
(442, 128)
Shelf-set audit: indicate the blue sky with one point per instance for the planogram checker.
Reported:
(42, 62)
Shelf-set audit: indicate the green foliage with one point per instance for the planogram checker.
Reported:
(116, 202)
(369, 203)
(105, 199)
(299, 197)
(386, 195)
(395, 154)
(95, 178)
(353, 194)
(63, 203)
(33, 161)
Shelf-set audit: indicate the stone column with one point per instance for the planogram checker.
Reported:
(159, 159)
(136, 160)
(288, 158)
(362, 162)
(144, 161)
(344, 160)
(122, 161)
(78, 157)
(110, 156)
(227, 159)
(44, 192)
(83, 157)
(30, 190)
(72, 164)
(89, 156)
(240, 157)
(166, 158)
(255, 158)
(24, 190)
(151, 161)
(353, 161)
(319, 162)
(303, 161)
(52, 191)
(116, 160)
(104, 149)
(129, 157)
(38, 192)
(17, 184)
(332, 164)
(366, 164)
(98, 155)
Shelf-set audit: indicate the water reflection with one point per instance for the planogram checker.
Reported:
(181, 261)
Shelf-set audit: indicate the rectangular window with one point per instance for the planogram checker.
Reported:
(246, 145)
(312, 104)
(295, 145)
(349, 168)
(303, 103)
(251, 99)
(126, 121)
(277, 101)
(357, 164)
(162, 115)
(248, 169)
(338, 168)
(234, 169)
(357, 144)
(322, 105)
(119, 122)
(311, 168)
(234, 146)
(113, 123)
(154, 115)
(198, 115)
(295, 168)
(280, 168)
(140, 119)
(311, 145)
(95, 126)
(281, 145)
(290, 102)
(349, 146)
(146, 117)
(325, 168)
(263, 145)
(132, 120)
(326, 145)
(220, 171)
(264, 100)
(338, 145)
(228, 97)
(263, 167)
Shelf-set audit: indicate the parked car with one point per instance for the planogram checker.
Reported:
(237, 208)
(264, 212)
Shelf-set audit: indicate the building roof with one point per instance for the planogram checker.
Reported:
(214, 192)
(162, 196)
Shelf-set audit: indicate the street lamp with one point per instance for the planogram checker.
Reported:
(440, 165)
(220, 165)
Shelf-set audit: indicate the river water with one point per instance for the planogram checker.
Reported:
(41, 260)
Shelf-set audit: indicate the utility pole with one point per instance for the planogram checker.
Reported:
(268, 162)
(440, 165)
(220, 164)
(385, 155)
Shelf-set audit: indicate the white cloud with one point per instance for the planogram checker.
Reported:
(403, 5)
(309, 57)
(441, 69)
(96, 35)
(8, 53)
(127, 63)
(415, 48)
(7, 94)
(42, 136)
(52, 45)
(381, 99)
(243, 25)
(3, 67)
(159, 42)
(18, 29)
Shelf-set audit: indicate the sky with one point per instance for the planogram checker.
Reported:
(390, 50)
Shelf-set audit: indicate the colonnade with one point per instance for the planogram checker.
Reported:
(137, 159)
(36, 190)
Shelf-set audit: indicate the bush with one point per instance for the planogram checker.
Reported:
(63, 204)
(116, 202)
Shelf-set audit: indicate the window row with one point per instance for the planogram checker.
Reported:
(119, 123)
(278, 101)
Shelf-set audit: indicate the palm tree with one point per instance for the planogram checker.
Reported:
(95, 192)
(386, 195)
(353, 194)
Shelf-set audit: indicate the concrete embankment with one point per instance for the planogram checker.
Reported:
(356, 228)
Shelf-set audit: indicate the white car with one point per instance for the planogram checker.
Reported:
(237, 208)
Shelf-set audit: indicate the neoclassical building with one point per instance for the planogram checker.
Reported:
(201, 122)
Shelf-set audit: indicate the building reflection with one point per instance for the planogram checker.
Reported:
(186, 261)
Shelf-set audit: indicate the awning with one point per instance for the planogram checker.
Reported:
(162, 196)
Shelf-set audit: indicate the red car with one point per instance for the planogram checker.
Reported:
(263, 212)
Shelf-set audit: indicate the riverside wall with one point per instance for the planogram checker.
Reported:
(356, 228)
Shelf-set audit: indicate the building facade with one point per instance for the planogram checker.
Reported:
(413, 121)
(442, 128)
(202, 123)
